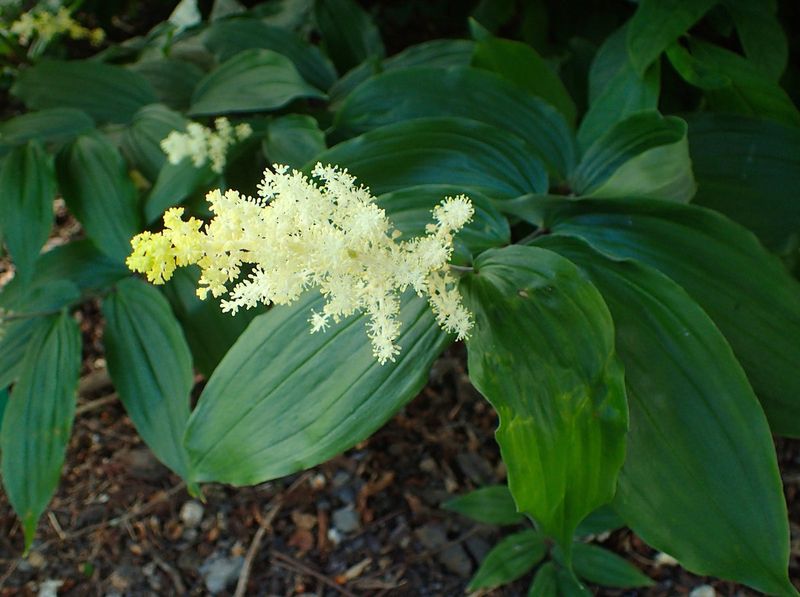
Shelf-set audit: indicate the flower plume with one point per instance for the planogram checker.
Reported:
(298, 235)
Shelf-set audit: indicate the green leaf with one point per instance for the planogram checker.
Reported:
(209, 332)
(252, 81)
(94, 180)
(751, 92)
(348, 34)
(441, 151)
(27, 191)
(749, 169)
(562, 407)
(700, 480)
(491, 505)
(410, 211)
(175, 183)
(14, 339)
(646, 154)
(223, 9)
(55, 124)
(38, 420)
(185, 15)
(761, 35)
(399, 95)
(552, 580)
(657, 23)
(521, 64)
(508, 560)
(105, 92)
(294, 140)
(3, 404)
(439, 53)
(61, 275)
(605, 568)
(694, 71)
(545, 583)
(142, 137)
(151, 367)
(228, 38)
(301, 398)
(602, 520)
(725, 270)
(173, 80)
(616, 90)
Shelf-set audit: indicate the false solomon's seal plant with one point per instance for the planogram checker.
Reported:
(624, 281)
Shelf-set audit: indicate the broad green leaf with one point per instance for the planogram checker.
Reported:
(348, 34)
(760, 34)
(225, 8)
(700, 479)
(562, 406)
(439, 53)
(105, 92)
(61, 275)
(151, 367)
(185, 15)
(14, 339)
(545, 583)
(616, 90)
(294, 140)
(521, 64)
(509, 559)
(491, 505)
(401, 95)
(410, 211)
(751, 92)
(746, 291)
(94, 180)
(749, 169)
(552, 580)
(283, 400)
(27, 191)
(694, 71)
(38, 420)
(602, 520)
(209, 332)
(174, 184)
(252, 81)
(173, 80)
(646, 154)
(287, 14)
(3, 404)
(229, 37)
(142, 137)
(602, 567)
(658, 23)
(441, 151)
(55, 124)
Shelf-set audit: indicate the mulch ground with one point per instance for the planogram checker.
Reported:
(365, 523)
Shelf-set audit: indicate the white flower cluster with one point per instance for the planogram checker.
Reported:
(202, 144)
(46, 25)
(299, 235)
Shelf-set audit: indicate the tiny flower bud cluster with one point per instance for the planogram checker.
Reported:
(46, 25)
(202, 144)
(299, 235)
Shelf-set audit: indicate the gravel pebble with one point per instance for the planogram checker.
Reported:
(192, 513)
(346, 520)
(220, 571)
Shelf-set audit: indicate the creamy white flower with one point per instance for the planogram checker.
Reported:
(299, 235)
(202, 144)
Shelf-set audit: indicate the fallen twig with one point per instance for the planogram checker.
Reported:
(264, 524)
(290, 563)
